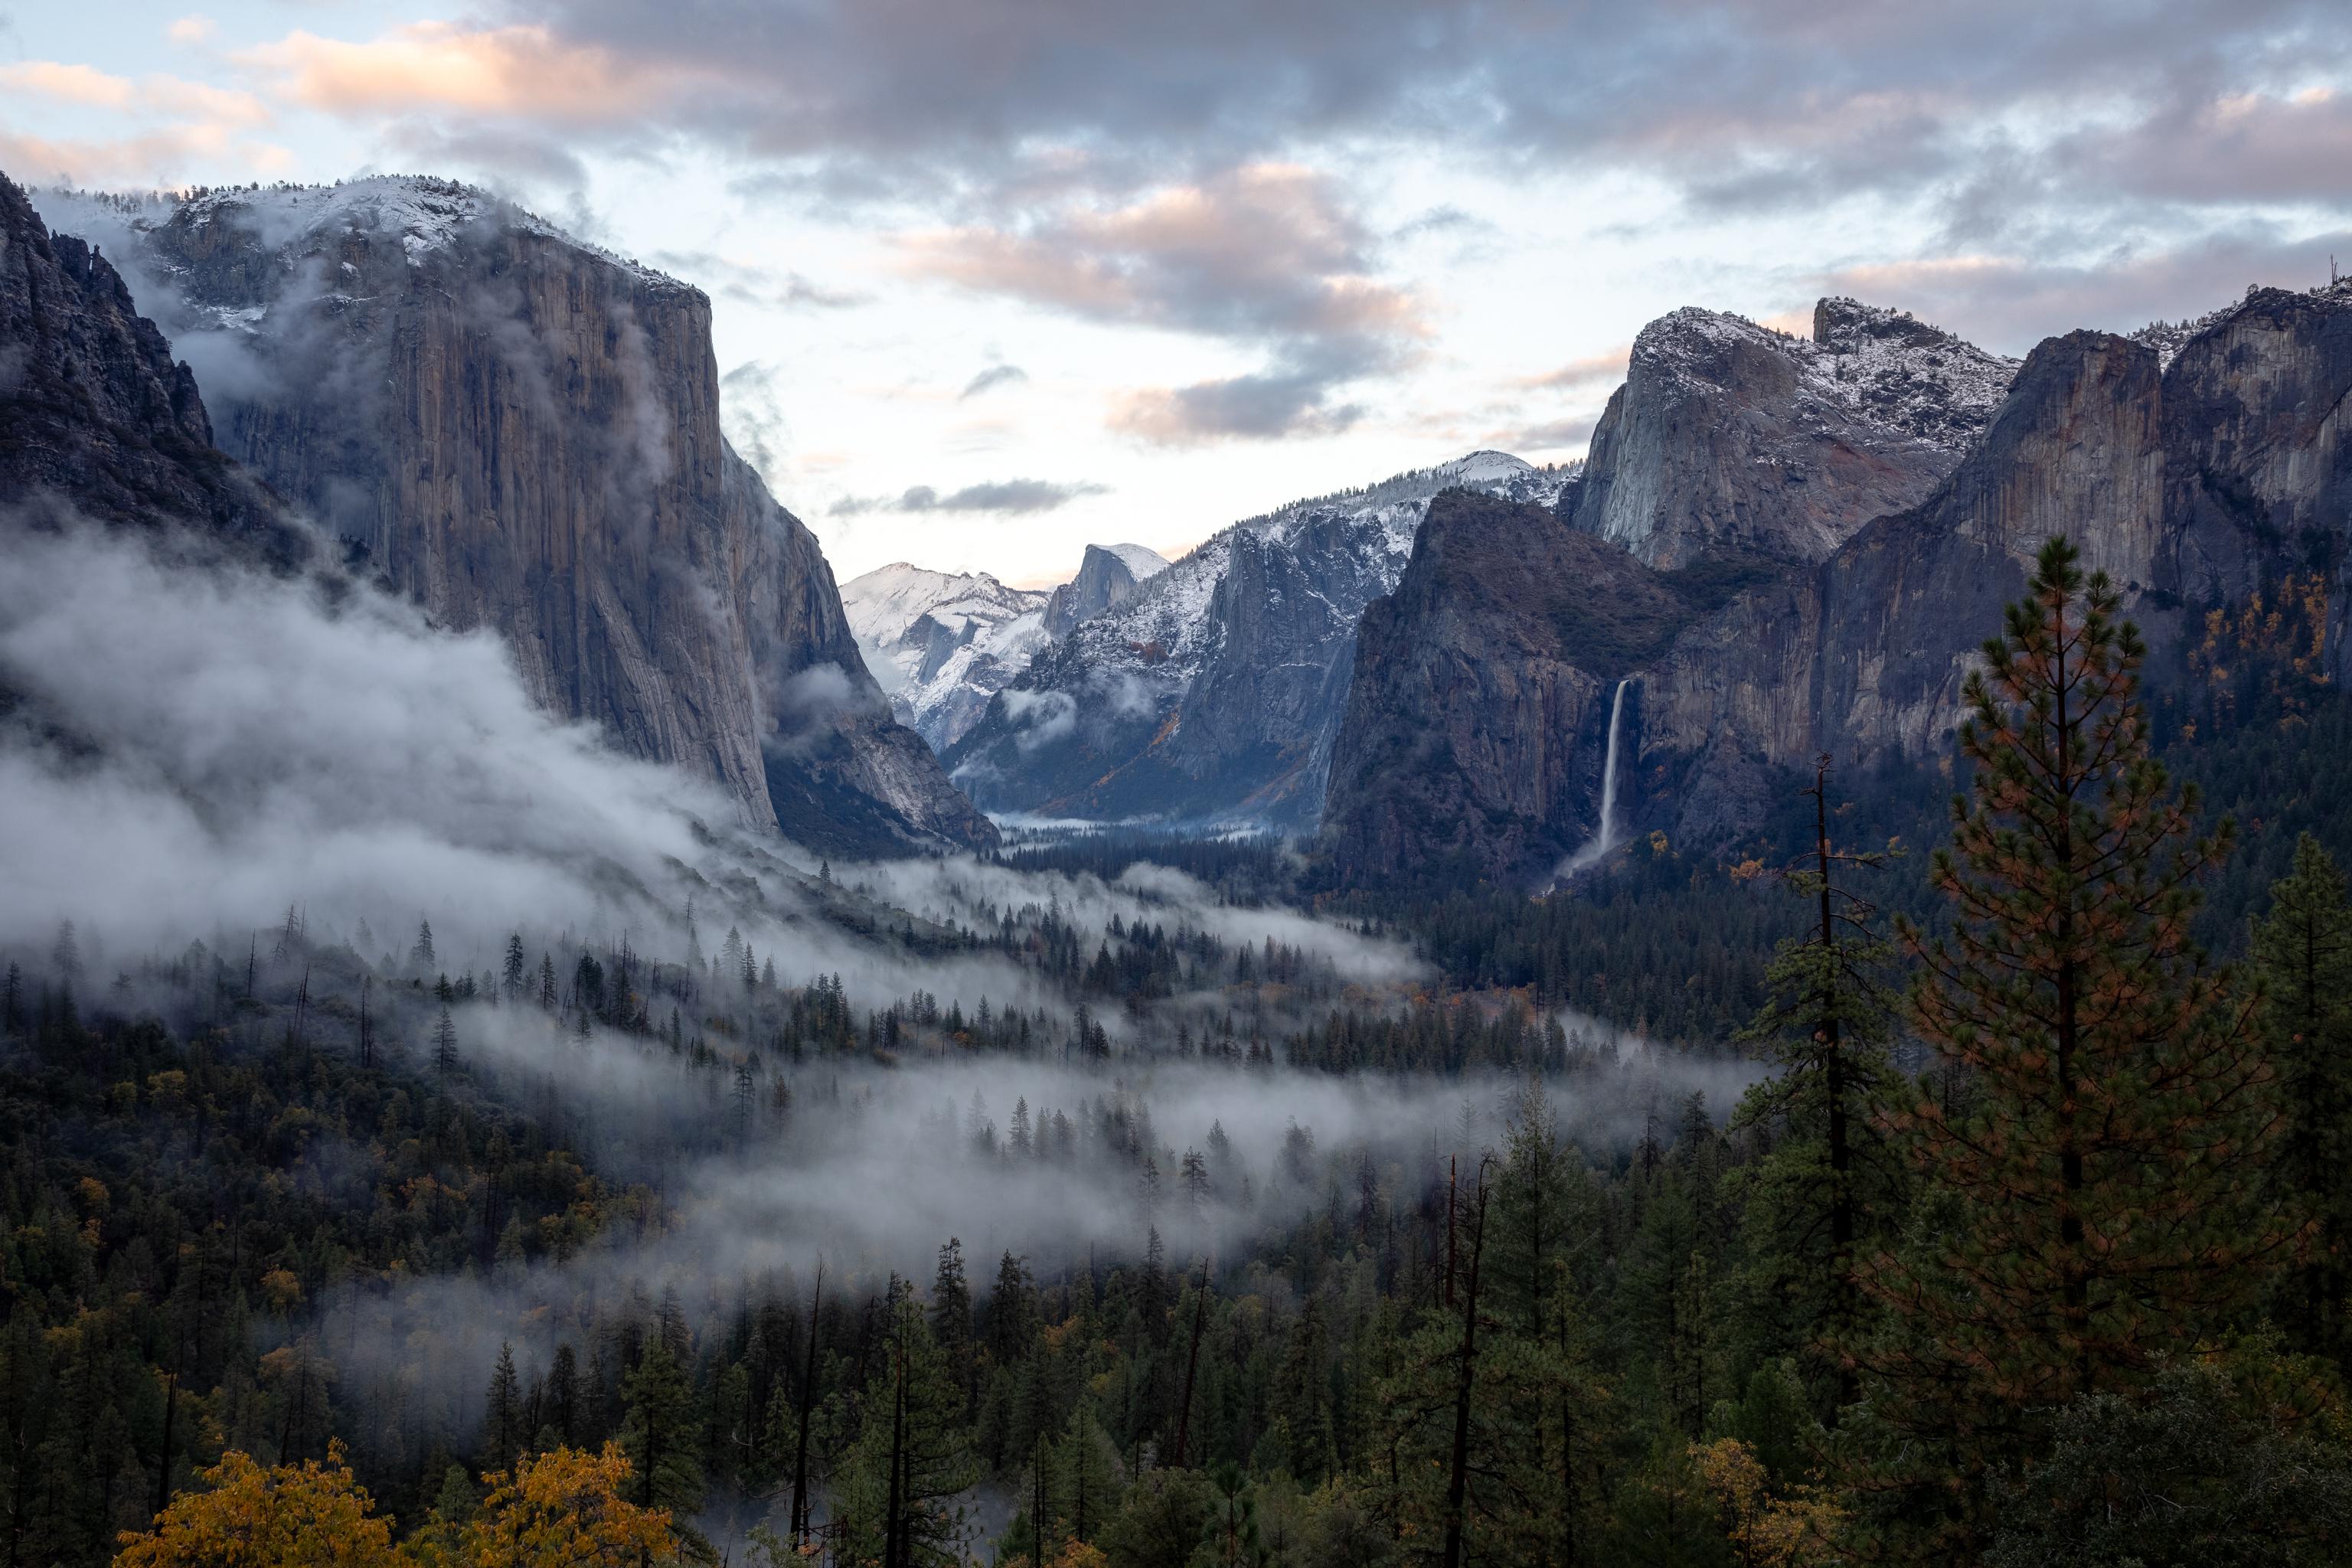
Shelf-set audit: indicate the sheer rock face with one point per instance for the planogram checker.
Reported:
(1731, 440)
(2257, 408)
(1106, 578)
(1478, 715)
(95, 417)
(1212, 693)
(2188, 483)
(522, 432)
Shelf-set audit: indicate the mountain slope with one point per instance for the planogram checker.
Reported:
(2192, 472)
(1108, 574)
(94, 412)
(1213, 694)
(1731, 440)
(519, 431)
(941, 643)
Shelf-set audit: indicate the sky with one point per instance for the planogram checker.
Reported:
(996, 278)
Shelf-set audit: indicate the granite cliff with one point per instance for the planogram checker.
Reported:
(2189, 469)
(519, 431)
(1212, 695)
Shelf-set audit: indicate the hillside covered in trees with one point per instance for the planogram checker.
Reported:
(1980, 1216)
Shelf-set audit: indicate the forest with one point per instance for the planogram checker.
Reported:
(1930, 1179)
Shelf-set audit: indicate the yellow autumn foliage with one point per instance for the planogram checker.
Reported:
(294, 1516)
(1797, 1530)
(559, 1509)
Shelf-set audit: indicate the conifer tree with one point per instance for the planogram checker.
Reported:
(658, 1433)
(503, 1437)
(2303, 950)
(2095, 1198)
(898, 1492)
(444, 1042)
(1825, 1024)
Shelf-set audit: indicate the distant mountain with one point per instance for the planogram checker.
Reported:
(1108, 575)
(1212, 694)
(942, 643)
(520, 431)
(1782, 549)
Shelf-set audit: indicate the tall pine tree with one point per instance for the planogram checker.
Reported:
(2096, 1197)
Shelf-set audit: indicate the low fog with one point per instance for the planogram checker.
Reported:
(237, 743)
(872, 1171)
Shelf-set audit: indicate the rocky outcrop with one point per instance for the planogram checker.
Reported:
(96, 418)
(520, 432)
(2190, 469)
(1108, 576)
(1212, 695)
(1730, 440)
(1477, 721)
(941, 643)
(2258, 466)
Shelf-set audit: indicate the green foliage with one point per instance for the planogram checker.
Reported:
(2202, 1471)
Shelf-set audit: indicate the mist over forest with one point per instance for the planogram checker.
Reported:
(1142, 787)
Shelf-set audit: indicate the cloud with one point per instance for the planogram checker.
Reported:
(75, 84)
(1258, 407)
(522, 71)
(1012, 496)
(2013, 301)
(1584, 373)
(994, 376)
(752, 285)
(146, 158)
(498, 156)
(1780, 96)
(1268, 255)
(752, 411)
(191, 29)
(1549, 436)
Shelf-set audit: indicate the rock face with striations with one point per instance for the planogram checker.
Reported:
(521, 432)
(1108, 576)
(1478, 716)
(2188, 482)
(95, 417)
(1213, 693)
(1730, 440)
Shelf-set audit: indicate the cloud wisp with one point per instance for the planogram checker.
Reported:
(1004, 497)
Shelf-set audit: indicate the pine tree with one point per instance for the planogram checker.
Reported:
(421, 955)
(513, 972)
(658, 1432)
(2303, 954)
(898, 1492)
(951, 1320)
(2095, 1196)
(547, 997)
(444, 1042)
(503, 1437)
(1826, 1182)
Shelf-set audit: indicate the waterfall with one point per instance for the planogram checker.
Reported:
(1604, 836)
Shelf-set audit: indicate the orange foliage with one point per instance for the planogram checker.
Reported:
(559, 1509)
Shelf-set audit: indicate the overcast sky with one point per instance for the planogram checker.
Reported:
(996, 278)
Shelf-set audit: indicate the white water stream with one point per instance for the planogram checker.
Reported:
(1604, 836)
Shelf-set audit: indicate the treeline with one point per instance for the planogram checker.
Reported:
(2032, 1252)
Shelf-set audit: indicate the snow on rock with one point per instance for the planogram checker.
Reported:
(941, 643)
(427, 216)
(1140, 560)
(1211, 692)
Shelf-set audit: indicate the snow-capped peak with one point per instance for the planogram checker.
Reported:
(426, 215)
(1140, 560)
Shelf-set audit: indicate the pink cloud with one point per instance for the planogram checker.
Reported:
(515, 71)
